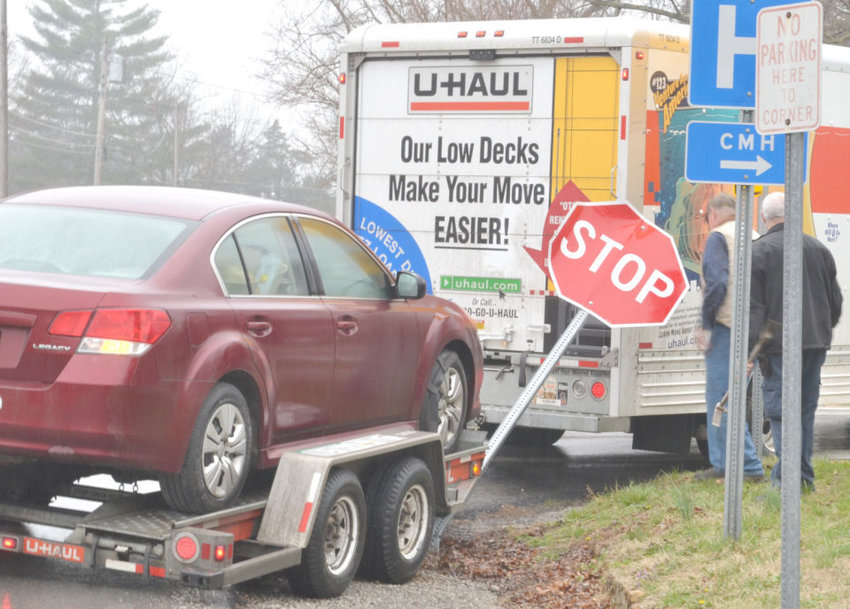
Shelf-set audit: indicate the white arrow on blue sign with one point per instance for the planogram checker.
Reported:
(723, 51)
(733, 153)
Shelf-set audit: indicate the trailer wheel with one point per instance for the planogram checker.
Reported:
(333, 554)
(401, 521)
(444, 409)
(218, 460)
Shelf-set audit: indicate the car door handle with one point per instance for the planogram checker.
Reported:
(260, 329)
(347, 326)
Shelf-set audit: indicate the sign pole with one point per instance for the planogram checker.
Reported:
(505, 427)
(737, 416)
(792, 341)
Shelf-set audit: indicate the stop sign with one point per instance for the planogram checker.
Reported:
(610, 260)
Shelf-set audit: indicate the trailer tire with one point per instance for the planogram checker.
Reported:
(219, 458)
(445, 406)
(333, 553)
(401, 521)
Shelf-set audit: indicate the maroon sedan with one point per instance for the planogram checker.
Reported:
(193, 334)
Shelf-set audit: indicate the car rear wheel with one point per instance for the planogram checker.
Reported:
(218, 461)
(444, 410)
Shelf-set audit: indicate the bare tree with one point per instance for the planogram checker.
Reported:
(836, 14)
(302, 69)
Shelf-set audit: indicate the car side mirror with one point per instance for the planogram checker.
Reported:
(409, 285)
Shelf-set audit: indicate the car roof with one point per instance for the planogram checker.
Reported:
(183, 203)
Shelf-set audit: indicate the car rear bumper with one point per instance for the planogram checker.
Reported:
(101, 420)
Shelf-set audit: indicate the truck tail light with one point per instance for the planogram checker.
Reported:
(115, 331)
(598, 390)
(9, 543)
(220, 553)
(186, 547)
(201, 549)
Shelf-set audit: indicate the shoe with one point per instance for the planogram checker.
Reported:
(713, 474)
(708, 474)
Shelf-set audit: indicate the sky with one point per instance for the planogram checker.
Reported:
(217, 41)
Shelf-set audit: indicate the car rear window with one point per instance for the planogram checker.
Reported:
(95, 243)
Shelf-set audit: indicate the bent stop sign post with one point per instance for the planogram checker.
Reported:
(610, 261)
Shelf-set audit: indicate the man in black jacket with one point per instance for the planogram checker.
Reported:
(821, 309)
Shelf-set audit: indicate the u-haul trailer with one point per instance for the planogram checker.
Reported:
(365, 501)
(462, 147)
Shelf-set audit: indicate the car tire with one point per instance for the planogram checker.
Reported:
(401, 521)
(445, 407)
(333, 553)
(219, 458)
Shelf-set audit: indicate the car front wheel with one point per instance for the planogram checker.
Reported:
(444, 410)
(218, 460)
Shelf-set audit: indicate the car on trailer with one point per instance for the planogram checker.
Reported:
(193, 335)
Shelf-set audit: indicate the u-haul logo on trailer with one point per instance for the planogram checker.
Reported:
(470, 89)
(61, 551)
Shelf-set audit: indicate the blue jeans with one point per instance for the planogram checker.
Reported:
(809, 393)
(716, 385)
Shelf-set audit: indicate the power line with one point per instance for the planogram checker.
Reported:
(52, 148)
(49, 125)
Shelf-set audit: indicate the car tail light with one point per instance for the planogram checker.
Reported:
(70, 323)
(121, 331)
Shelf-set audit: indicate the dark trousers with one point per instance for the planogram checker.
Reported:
(809, 393)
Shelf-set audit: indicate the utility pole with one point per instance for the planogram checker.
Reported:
(176, 159)
(4, 102)
(101, 111)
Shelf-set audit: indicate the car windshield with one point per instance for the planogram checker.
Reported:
(73, 241)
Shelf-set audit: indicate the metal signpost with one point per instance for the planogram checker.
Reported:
(723, 68)
(788, 100)
(610, 261)
(763, 54)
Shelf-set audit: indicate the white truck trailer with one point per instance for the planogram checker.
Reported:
(462, 147)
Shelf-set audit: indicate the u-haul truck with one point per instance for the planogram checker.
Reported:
(462, 148)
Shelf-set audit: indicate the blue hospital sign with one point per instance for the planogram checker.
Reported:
(733, 153)
(723, 52)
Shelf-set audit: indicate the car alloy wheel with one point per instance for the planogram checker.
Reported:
(225, 450)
